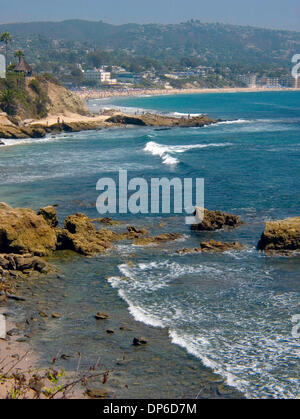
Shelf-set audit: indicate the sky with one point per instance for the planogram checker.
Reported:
(277, 14)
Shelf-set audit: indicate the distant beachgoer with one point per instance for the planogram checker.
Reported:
(58, 120)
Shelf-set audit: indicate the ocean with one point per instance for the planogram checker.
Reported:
(229, 312)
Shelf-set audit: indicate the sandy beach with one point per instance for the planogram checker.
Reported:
(102, 94)
(68, 118)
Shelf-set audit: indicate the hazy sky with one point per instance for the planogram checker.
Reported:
(281, 14)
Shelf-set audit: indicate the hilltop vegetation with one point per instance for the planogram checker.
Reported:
(26, 99)
(36, 97)
(142, 47)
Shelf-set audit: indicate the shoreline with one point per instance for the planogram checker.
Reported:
(106, 94)
(67, 326)
(17, 357)
(66, 123)
(127, 364)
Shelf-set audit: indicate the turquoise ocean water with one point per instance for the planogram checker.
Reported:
(232, 312)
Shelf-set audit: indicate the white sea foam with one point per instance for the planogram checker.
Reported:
(171, 161)
(27, 141)
(140, 314)
(166, 151)
(202, 323)
(193, 345)
(235, 121)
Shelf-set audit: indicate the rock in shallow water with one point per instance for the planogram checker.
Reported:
(215, 220)
(23, 231)
(139, 341)
(212, 246)
(23, 264)
(101, 316)
(281, 236)
(80, 235)
(216, 246)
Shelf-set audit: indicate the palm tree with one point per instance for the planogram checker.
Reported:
(19, 54)
(6, 38)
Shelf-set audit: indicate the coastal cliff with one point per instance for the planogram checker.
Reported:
(27, 101)
(75, 122)
(36, 106)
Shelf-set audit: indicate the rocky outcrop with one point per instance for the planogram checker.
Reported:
(281, 236)
(217, 246)
(212, 246)
(49, 214)
(135, 233)
(215, 220)
(22, 264)
(20, 132)
(157, 120)
(125, 120)
(162, 238)
(23, 130)
(80, 235)
(24, 235)
(22, 231)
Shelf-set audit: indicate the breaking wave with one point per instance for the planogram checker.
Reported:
(166, 151)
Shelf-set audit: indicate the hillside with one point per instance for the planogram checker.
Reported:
(211, 43)
(37, 97)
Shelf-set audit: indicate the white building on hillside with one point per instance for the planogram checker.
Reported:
(99, 76)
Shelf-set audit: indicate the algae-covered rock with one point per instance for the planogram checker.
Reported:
(282, 235)
(125, 120)
(151, 119)
(162, 238)
(25, 264)
(212, 246)
(217, 246)
(80, 235)
(215, 220)
(23, 231)
(49, 214)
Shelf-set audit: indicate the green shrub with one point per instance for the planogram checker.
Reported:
(7, 102)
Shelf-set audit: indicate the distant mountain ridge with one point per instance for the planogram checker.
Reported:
(210, 41)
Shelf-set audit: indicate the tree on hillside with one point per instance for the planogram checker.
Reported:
(7, 102)
(6, 38)
(20, 54)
